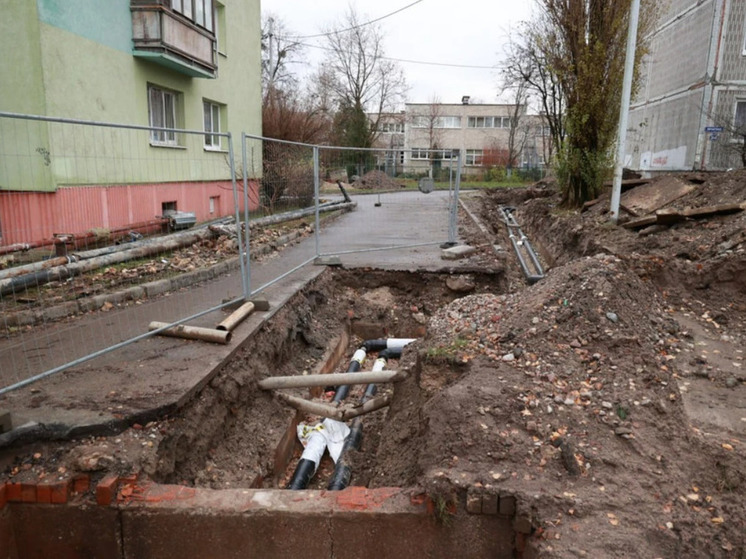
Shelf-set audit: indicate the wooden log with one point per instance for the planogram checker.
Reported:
(236, 317)
(192, 333)
(336, 379)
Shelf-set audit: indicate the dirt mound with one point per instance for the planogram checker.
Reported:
(376, 180)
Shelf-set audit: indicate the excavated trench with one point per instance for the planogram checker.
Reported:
(237, 435)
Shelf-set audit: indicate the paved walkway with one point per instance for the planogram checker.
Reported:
(58, 403)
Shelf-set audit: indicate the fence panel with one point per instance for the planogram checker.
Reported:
(404, 199)
(97, 219)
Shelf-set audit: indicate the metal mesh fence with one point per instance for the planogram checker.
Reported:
(129, 225)
(97, 218)
(405, 198)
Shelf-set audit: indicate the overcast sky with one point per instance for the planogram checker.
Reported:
(464, 32)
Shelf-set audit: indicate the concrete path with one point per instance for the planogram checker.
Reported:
(404, 218)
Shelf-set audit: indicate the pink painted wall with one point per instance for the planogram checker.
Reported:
(27, 217)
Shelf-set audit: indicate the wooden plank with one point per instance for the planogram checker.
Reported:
(708, 211)
(640, 223)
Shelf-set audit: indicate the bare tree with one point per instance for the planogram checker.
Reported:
(362, 80)
(519, 128)
(581, 43)
(526, 66)
(279, 51)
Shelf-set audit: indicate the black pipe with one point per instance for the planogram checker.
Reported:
(303, 473)
(342, 474)
(355, 364)
(372, 346)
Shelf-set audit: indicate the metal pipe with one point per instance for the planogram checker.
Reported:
(334, 379)
(387, 343)
(629, 70)
(236, 317)
(191, 332)
(309, 406)
(520, 242)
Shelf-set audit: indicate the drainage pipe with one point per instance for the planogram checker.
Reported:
(236, 317)
(342, 469)
(519, 241)
(192, 333)
(60, 273)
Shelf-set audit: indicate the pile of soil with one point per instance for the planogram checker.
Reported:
(376, 180)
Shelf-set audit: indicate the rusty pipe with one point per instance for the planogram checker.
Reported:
(236, 317)
(192, 333)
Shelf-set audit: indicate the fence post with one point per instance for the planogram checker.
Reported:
(316, 190)
(237, 211)
(453, 224)
(247, 234)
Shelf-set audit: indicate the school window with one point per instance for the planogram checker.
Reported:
(211, 112)
(473, 157)
(163, 112)
(420, 153)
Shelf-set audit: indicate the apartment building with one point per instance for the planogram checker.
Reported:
(690, 111)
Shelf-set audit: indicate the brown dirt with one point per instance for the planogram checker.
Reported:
(609, 398)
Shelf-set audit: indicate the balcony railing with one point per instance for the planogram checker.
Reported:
(171, 40)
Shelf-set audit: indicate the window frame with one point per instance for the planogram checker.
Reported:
(473, 157)
(158, 98)
(212, 138)
(199, 12)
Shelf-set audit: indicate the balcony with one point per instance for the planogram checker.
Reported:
(168, 39)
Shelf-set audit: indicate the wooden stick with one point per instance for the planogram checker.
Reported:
(336, 379)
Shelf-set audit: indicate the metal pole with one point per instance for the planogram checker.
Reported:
(247, 235)
(629, 66)
(316, 189)
(454, 205)
(237, 211)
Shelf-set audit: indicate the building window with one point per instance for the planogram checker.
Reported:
(211, 112)
(198, 11)
(739, 120)
(420, 153)
(436, 122)
(163, 107)
(473, 157)
(488, 122)
(220, 38)
(214, 204)
(392, 127)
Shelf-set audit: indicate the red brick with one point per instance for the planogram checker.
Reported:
(3, 495)
(44, 492)
(60, 492)
(81, 483)
(28, 492)
(13, 491)
(106, 490)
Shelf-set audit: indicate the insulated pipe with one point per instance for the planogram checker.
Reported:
(316, 444)
(388, 343)
(192, 333)
(342, 469)
(236, 317)
(519, 241)
(334, 379)
(357, 361)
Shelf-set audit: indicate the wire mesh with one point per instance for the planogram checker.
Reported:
(96, 219)
(405, 198)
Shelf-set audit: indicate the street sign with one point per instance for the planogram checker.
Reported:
(713, 129)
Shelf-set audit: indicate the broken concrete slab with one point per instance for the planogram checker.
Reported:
(6, 423)
(327, 261)
(650, 197)
(458, 252)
